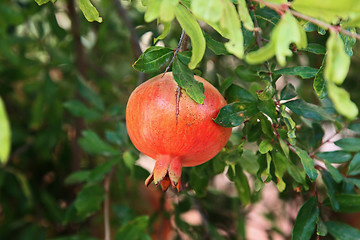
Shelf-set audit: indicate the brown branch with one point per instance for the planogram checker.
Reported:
(134, 39)
(80, 62)
(177, 49)
(282, 8)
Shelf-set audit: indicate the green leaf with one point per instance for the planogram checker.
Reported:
(167, 26)
(319, 84)
(337, 61)
(321, 229)
(265, 146)
(153, 10)
(235, 93)
(192, 28)
(287, 31)
(288, 92)
(334, 172)
(248, 161)
(78, 177)
(199, 179)
(89, 94)
(349, 42)
(308, 163)
(354, 167)
(78, 109)
(225, 83)
(330, 11)
(268, 107)
(230, 28)
(246, 73)
(330, 189)
(306, 220)
(335, 156)
(167, 10)
(315, 48)
(207, 10)
(342, 102)
(89, 200)
(119, 136)
(303, 72)
(349, 144)
(5, 135)
(217, 47)
(280, 169)
(153, 59)
(185, 79)
(348, 203)
(89, 11)
(41, 2)
(99, 172)
(93, 144)
(308, 110)
(355, 126)
(234, 114)
(268, 92)
(241, 184)
(342, 231)
(245, 17)
(134, 230)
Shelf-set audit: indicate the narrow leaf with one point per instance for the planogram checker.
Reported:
(5, 135)
(319, 84)
(41, 2)
(308, 163)
(349, 144)
(315, 48)
(167, 26)
(342, 231)
(306, 220)
(348, 203)
(330, 189)
(335, 156)
(192, 28)
(354, 167)
(90, 12)
(244, 15)
(303, 72)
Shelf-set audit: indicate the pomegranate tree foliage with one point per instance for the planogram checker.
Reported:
(64, 103)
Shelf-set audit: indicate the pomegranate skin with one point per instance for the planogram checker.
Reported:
(175, 135)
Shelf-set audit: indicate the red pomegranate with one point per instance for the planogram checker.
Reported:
(164, 123)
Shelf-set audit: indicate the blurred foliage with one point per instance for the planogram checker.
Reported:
(65, 82)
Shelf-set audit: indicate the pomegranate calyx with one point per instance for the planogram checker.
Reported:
(167, 171)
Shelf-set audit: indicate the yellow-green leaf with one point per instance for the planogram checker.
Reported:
(167, 26)
(342, 102)
(207, 10)
(287, 31)
(244, 15)
(153, 10)
(5, 134)
(167, 10)
(192, 28)
(90, 12)
(337, 61)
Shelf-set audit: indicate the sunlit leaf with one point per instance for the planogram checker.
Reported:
(319, 83)
(349, 41)
(167, 26)
(207, 10)
(337, 61)
(244, 15)
(153, 10)
(5, 135)
(192, 28)
(41, 2)
(90, 12)
(342, 102)
(167, 10)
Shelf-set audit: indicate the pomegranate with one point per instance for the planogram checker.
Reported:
(164, 123)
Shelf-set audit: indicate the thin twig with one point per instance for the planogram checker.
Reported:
(282, 8)
(176, 51)
(107, 207)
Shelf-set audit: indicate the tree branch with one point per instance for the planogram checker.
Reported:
(177, 49)
(107, 206)
(280, 8)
